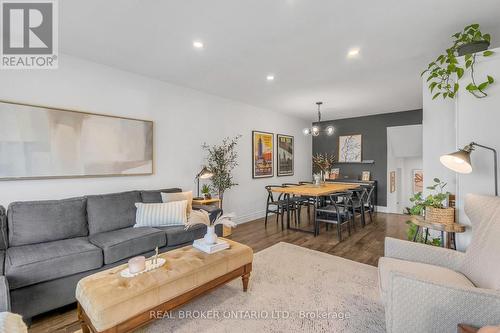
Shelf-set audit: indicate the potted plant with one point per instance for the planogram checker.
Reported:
(323, 163)
(205, 190)
(433, 207)
(444, 73)
(202, 216)
(435, 210)
(221, 160)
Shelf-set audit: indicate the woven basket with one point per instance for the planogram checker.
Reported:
(440, 215)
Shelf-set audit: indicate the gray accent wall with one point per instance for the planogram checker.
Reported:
(374, 145)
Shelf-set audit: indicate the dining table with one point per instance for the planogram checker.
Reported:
(312, 191)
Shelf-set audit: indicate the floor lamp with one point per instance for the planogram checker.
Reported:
(460, 161)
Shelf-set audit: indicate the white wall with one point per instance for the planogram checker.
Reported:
(184, 119)
(474, 120)
(404, 154)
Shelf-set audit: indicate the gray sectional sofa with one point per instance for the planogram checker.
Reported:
(46, 247)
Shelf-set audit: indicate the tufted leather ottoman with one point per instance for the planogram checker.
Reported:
(108, 302)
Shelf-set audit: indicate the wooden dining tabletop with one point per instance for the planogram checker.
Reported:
(312, 190)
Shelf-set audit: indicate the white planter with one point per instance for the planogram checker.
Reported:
(210, 236)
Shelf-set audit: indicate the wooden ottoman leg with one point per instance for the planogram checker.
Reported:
(245, 279)
(84, 326)
(246, 276)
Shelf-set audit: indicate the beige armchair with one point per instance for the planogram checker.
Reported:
(431, 289)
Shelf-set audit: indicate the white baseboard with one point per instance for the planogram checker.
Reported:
(381, 209)
(249, 217)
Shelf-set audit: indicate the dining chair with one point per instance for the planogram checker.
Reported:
(333, 213)
(277, 204)
(369, 201)
(356, 205)
(300, 201)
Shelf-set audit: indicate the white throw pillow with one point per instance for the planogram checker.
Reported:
(161, 214)
(178, 196)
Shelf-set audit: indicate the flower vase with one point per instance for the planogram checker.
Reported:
(210, 237)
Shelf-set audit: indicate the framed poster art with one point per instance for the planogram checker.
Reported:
(38, 142)
(418, 181)
(262, 154)
(350, 148)
(284, 156)
(365, 175)
(392, 176)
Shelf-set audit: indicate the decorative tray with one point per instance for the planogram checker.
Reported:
(149, 267)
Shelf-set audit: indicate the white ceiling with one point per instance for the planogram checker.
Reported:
(303, 42)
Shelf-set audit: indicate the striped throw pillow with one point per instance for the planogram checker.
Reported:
(161, 214)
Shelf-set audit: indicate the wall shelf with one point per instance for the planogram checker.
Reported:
(362, 162)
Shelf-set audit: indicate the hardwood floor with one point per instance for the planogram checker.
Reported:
(365, 245)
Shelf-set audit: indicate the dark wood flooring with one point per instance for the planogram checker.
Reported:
(365, 245)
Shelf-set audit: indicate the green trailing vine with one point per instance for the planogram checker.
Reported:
(445, 72)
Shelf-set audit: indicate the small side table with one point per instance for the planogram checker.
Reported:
(214, 202)
(450, 229)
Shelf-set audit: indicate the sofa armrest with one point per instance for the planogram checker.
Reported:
(426, 254)
(418, 305)
(213, 211)
(4, 294)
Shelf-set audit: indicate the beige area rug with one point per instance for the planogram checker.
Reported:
(292, 289)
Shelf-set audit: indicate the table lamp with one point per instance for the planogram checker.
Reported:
(203, 174)
(460, 161)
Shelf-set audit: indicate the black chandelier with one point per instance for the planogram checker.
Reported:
(316, 129)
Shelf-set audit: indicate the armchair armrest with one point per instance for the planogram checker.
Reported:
(417, 305)
(426, 254)
(4, 294)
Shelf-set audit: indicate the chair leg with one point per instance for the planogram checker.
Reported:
(363, 220)
(339, 231)
(282, 215)
(265, 221)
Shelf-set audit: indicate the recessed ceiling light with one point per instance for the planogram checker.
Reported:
(353, 53)
(270, 77)
(198, 44)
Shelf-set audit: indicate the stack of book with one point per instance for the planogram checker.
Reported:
(210, 248)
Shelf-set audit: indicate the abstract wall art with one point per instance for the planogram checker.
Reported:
(42, 142)
(350, 148)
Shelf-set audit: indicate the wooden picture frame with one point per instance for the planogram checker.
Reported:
(350, 148)
(285, 152)
(262, 154)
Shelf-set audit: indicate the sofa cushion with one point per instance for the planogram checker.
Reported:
(33, 222)
(30, 264)
(154, 196)
(177, 235)
(128, 242)
(426, 272)
(111, 211)
(4, 242)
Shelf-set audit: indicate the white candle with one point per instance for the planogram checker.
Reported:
(137, 264)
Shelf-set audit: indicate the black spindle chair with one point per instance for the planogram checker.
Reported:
(334, 213)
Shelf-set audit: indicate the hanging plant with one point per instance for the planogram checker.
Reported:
(445, 72)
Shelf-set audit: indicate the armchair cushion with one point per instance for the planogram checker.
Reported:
(419, 305)
(481, 258)
(387, 266)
